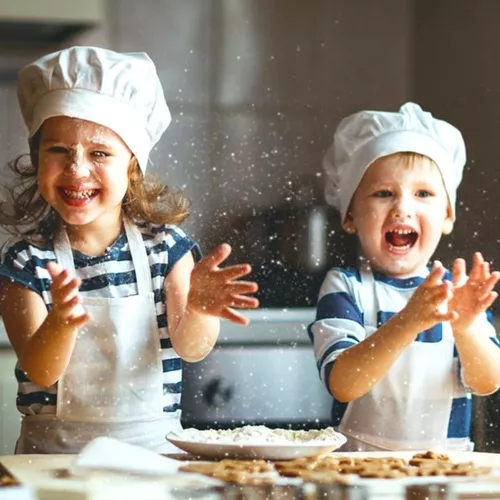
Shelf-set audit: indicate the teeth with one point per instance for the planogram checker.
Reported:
(403, 248)
(80, 195)
(403, 231)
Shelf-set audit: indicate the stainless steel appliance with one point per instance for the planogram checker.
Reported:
(261, 374)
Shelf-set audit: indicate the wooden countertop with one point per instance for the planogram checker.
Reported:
(49, 474)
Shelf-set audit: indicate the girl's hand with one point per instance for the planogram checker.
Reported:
(216, 291)
(66, 306)
(472, 294)
(429, 304)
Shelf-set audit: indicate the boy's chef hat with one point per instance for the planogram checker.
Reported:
(363, 137)
(120, 91)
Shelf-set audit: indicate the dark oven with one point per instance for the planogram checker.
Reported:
(264, 373)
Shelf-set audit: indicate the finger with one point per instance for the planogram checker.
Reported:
(439, 294)
(65, 309)
(239, 287)
(60, 279)
(459, 276)
(486, 273)
(440, 317)
(69, 290)
(61, 296)
(232, 315)
(231, 273)
(79, 321)
(487, 287)
(54, 269)
(435, 276)
(477, 265)
(242, 302)
(486, 302)
(216, 256)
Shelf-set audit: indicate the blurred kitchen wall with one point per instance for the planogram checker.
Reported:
(256, 88)
(457, 76)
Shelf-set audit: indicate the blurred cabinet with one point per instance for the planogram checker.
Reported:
(10, 418)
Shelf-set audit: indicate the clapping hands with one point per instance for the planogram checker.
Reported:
(217, 291)
(460, 301)
(472, 294)
(66, 301)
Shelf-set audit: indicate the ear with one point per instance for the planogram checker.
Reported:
(449, 221)
(348, 224)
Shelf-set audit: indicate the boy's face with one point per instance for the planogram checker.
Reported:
(399, 211)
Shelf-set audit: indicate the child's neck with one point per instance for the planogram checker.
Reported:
(93, 240)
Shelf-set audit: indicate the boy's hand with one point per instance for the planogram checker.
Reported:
(66, 306)
(472, 295)
(428, 305)
(216, 291)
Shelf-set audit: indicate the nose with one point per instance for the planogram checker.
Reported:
(77, 165)
(403, 207)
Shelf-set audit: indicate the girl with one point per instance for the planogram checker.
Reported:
(100, 294)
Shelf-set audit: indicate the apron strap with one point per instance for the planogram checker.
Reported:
(64, 254)
(139, 257)
(368, 296)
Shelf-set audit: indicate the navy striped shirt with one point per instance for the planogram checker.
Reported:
(339, 325)
(109, 275)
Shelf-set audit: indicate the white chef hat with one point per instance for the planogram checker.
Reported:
(363, 137)
(119, 91)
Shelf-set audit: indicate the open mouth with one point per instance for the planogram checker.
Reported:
(78, 197)
(401, 240)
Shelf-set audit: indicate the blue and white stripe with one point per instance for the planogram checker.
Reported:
(339, 325)
(110, 275)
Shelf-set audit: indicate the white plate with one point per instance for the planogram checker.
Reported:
(267, 451)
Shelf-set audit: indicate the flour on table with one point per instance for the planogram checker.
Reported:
(254, 434)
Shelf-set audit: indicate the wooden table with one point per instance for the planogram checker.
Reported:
(48, 476)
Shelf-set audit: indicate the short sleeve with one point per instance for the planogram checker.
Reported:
(339, 320)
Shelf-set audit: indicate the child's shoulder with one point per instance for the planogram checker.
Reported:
(341, 279)
(345, 273)
(166, 238)
(16, 248)
(152, 231)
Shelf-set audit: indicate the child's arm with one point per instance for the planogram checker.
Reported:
(43, 341)
(197, 296)
(360, 367)
(479, 357)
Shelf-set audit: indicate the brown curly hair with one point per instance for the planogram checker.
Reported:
(25, 212)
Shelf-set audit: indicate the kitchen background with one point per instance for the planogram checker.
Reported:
(256, 88)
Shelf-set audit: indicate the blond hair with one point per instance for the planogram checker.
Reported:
(26, 213)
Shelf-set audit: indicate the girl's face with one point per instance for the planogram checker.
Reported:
(399, 212)
(82, 170)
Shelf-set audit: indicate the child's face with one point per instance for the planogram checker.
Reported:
(399, 211)
(82, 170)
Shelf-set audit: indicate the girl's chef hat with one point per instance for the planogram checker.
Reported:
(120, 91)
(363, 137)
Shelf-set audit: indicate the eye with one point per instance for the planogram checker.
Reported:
(100, 154)
(383, 193)
(424, 193)
(57, 150)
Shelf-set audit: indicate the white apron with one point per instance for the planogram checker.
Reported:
(397, 414)
(113, 383)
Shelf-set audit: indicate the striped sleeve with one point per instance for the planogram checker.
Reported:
(339, 321)
(26, 265)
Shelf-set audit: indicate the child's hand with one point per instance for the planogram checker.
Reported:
(472, 295)
(66, 306)
(428, 305)
(216, 291)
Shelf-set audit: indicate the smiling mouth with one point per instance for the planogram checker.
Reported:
(401, 240)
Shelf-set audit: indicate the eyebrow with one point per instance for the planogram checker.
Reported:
(94, 142)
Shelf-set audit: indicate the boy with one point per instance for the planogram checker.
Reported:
(399, 346)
